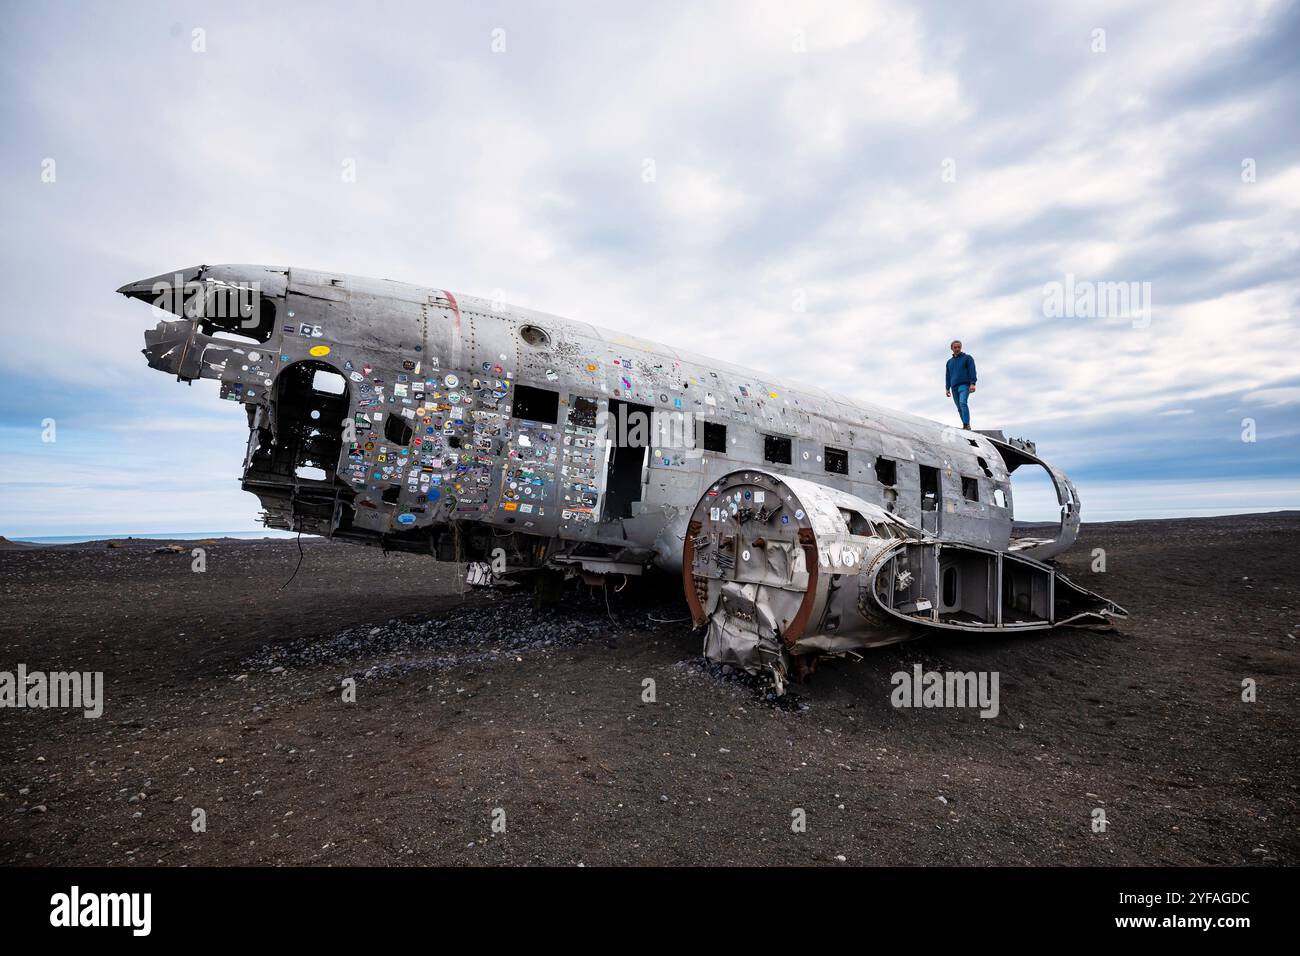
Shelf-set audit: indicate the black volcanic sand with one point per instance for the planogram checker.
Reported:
(223, 693)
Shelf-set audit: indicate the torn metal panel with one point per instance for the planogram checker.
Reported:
(779, 567)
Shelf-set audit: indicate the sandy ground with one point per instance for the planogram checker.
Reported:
(224, 693)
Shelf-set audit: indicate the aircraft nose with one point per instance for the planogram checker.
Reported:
(243, 300)
(170, 290)
(167, 290)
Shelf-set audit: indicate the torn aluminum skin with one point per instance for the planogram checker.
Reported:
(779, 569)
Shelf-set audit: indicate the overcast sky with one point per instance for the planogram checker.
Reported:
(829, 192)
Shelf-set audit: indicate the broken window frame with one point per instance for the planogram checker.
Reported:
(838, 455)
(397, 430)
(931, 490)
(711, 439)
(532, 404)
(891, 471)
(772, 444)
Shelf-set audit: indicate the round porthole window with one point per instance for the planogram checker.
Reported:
(537, 338)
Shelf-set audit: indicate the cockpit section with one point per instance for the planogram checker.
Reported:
(1047, 542)
(243, 302)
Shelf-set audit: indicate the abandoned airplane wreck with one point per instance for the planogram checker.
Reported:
(802, 523)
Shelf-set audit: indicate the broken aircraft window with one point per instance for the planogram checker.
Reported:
(929, 488)
(857, 522)
(715, 437)
(238, 310)
(536, 404)
(776, 449)
(970, 488)
(837, 460)
(886, 471)
(583, 414)
(396, 430)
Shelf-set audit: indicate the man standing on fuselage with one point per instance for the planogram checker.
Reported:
(959, 381)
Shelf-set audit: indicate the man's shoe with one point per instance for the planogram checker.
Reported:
(966, 427)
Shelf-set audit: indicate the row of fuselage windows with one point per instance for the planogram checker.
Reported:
(542, 405)
(779, 450)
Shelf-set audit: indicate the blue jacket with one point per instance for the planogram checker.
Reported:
(960, 371)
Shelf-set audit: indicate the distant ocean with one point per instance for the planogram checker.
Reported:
(169, 536)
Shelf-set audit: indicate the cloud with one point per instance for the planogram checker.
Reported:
(839, 189)
(1274, 397)
(699, 205)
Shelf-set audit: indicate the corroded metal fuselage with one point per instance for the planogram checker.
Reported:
(414, 418)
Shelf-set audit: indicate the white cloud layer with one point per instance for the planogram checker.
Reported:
(911, 172)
